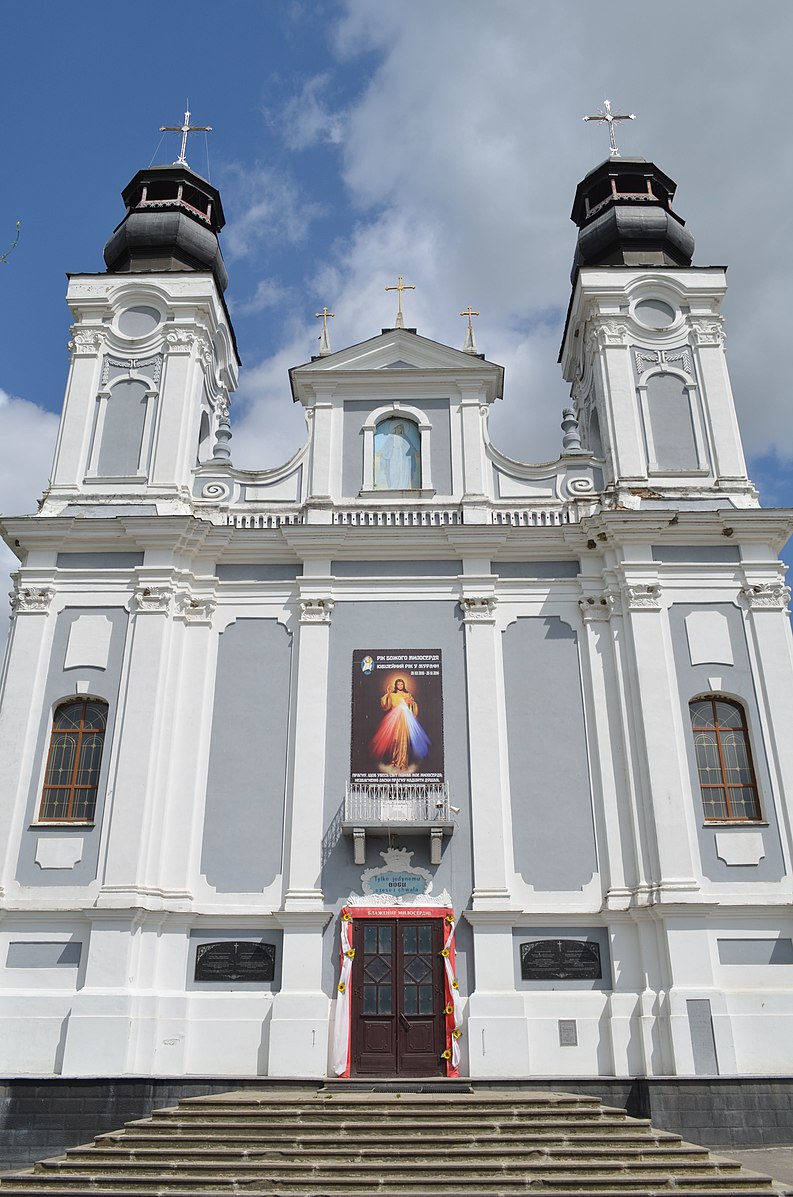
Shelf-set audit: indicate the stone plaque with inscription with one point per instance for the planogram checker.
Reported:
(235, 960)
(560, 960)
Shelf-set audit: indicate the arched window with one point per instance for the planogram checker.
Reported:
(724, 759)
(397, 454)
(73, 762)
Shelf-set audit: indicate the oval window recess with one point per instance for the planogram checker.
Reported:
(655, 313)
(138, 321)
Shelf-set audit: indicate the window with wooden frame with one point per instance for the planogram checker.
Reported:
(72, 777)
(724, 759)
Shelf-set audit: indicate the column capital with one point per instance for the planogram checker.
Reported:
(766, 596)
(26, 600)
(478, 608)
(195, 609)
(151, 597)
(596, 608)
(316, 610)
(644, 597)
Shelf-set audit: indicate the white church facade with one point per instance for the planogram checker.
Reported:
(405, 758)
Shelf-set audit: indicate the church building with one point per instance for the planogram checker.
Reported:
(405, 758)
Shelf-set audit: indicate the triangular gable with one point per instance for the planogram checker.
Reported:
(393, 349)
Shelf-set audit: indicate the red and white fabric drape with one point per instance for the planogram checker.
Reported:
(453, 1014)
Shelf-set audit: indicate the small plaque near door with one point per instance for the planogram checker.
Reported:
(560, 960)
(235, 960)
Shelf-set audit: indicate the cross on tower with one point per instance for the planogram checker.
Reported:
(184, 129)
(610, 117)
(324, 339)
(470, 340)
(399, 288)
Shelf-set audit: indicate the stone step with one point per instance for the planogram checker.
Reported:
(476, 1185)
(531, 1163)
(488, 1188)
(400, 1116)
(384, 1145)
(387, 1150)
(164, 1137)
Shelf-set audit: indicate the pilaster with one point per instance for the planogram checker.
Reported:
(662, 781)
(303, 851)
(488, 818)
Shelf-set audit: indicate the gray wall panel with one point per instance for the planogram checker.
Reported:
(43, 954)
(738, 683)
(553, 833)
(535, 569)
(98, 560)
(755, 952)
(712, 554)
(356, 412)
(103, 683)
(703, 1043)
(396, 569)
(244, 815)
(266, 572)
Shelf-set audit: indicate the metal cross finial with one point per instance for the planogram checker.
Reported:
(324, 316)
(470, 340)
(324, 339)
(184, 130)
(399, 288)
(610, 117)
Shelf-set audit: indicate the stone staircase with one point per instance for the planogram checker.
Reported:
(389, 1143)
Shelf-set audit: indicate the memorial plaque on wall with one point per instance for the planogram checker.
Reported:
(397, 716)
(235, 960)
(560, 960)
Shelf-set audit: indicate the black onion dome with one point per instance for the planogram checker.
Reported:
(172, 223)
(623, 209)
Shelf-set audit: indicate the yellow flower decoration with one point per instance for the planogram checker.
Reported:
(449, 1009)
(456, 1034)
(447, 1055)
(351, 953)
(450, 919)
(342, 987)
(455, 984)
(347, 917)
(444, 951)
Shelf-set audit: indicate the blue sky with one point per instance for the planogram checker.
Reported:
(353, 141)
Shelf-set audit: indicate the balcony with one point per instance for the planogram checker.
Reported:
(411, 807)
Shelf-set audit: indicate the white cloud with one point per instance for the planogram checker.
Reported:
(268, 207)
(26, 448)
(307, 118)
(462, 155)
(268, 294)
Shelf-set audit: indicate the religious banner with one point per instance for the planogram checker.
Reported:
(397, 716)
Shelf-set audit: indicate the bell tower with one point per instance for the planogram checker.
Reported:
(153, 353)
(643, 347)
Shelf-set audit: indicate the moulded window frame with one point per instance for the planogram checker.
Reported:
(394, 411)
(150, 420)
(702, 468)
(728, 820)
(41, 820)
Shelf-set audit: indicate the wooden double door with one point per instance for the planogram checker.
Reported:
(398, 1003)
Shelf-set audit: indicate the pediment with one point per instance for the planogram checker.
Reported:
(395, 349)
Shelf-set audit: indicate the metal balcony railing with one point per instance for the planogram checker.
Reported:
(390, 802)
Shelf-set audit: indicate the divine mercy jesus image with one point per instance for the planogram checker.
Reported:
(400, 741)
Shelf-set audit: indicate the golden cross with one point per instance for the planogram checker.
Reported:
(399, 288)
(324, 316)
(184, 129)
(469, 312)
